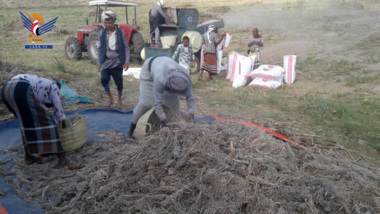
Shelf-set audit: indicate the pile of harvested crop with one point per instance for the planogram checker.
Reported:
(203, 168)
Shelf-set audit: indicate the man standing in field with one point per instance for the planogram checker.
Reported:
(113, 56)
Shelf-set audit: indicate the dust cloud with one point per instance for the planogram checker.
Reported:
(329, 26)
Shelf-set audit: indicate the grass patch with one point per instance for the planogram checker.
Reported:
(59, 66)
(353, 81)
(369, 47)
(294, 4)
(349, 113)
(326, 68)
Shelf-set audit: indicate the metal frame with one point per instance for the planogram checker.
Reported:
(113, 3)
(107, 3)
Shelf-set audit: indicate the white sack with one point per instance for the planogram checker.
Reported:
(135, 72)
(267, 72)
(266, 84)
(244, 69)
(290, 68)
(239, 81)
(219, 60)
(230, 61)
(227, 40)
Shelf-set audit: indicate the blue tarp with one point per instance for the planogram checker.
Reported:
(10, 136)
(71, 96)
(98, 120)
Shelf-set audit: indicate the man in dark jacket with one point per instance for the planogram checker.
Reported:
(113, 56)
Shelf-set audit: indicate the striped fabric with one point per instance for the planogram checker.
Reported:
(37, 125)
(209, 63)
(210, 47)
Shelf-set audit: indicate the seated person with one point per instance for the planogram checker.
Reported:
(255, 42)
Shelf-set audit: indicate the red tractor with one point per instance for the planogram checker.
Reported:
(88, 35)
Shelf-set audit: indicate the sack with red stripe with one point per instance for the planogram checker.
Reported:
(227, 40)
(267, 72)
(290, 68)
(230, 64)
(266, 84)
(219, 55)
(253, 61)
(244, 69)
(202, 59)
(235, 69)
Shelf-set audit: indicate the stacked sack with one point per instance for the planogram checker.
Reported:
(266, 76)
(238, 66)
(290, 68)
(239, 72)
(222, 46)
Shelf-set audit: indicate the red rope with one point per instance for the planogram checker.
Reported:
(2, 210)
(281, 136)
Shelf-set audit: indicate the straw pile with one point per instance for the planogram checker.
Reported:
(202, 168)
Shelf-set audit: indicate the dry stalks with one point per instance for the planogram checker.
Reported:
(202, 168)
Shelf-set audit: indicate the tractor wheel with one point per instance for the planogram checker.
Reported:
(92, 48)
(73, 49)
(136, 43)
(194, 66)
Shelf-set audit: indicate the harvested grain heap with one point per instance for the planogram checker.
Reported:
(203, 168)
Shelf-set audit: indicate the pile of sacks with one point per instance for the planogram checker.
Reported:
(241, 71)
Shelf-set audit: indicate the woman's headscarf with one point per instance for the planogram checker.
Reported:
(162, 2)
(210, 29)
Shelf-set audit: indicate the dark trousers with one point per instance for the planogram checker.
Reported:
(117, 75)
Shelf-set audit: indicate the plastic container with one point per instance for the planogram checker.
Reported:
(150, 123)
(168, 41)
(196, 40)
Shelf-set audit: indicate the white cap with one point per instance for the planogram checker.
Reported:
(162, 2)
(108, 15)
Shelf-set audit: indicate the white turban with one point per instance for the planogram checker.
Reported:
(108, 15)
(210, 29)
